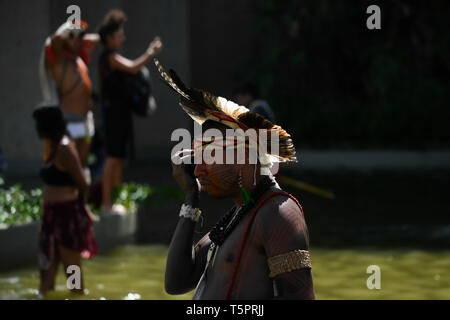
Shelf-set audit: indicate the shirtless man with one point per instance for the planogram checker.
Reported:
(278, 228)
(274, 261)
(67, 54)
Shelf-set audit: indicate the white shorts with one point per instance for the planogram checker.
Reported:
(79, 126)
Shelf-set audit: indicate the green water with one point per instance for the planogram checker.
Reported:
(137, 272)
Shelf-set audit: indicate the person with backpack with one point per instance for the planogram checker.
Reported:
(115, 72)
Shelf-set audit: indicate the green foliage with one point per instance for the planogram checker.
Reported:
(21, 206)
(334, 83)
(141, 194)
(130, 195)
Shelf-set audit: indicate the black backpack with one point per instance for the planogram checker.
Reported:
(137, 93)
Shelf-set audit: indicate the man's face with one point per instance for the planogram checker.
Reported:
(216, 177)
(218, 180)
(220, 154)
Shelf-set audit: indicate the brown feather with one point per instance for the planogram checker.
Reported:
(169, 80)
(197, 103)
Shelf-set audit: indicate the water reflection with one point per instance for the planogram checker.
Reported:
(137, 272)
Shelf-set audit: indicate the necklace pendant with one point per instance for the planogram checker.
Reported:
(210, 253)
(216, 249)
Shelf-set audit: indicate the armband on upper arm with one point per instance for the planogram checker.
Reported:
(288, 262)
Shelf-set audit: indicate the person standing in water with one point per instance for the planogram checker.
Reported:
(260, 248)
(65, 81)
(117, 115)
(66, 233)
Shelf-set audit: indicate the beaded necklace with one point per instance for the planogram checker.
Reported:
(231, 219)
(228, 222)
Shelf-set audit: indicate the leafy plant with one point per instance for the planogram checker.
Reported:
(21, 206)
(132, 194)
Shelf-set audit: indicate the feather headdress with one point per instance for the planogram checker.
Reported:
(201, 106)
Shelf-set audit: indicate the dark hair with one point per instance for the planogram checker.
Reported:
(112, 22)
(247, 88)
(50, 121)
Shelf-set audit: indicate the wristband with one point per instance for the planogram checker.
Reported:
(189, 212)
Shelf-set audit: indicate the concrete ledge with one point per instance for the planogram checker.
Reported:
(115, 229)
(19, 243)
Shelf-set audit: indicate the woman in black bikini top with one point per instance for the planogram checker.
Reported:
(66, 231)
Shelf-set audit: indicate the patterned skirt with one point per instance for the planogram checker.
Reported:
(67, 224)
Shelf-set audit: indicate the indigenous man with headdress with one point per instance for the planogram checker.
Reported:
(259, 248)
(65, 81)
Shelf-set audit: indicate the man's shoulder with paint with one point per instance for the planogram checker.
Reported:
(279, 208)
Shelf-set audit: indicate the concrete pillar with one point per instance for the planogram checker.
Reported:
(23, 28)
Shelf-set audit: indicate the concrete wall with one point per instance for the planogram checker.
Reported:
(25, 24)
(221, 42)
(205, 41)
(23, 28)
